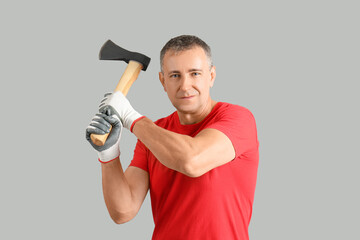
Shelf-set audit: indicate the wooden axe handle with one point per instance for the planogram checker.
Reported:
(131, 73)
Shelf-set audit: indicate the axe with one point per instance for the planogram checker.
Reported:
(136, 62)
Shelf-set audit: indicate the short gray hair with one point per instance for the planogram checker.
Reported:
(182, 43)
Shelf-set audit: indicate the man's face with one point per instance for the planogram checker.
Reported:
(187, 79)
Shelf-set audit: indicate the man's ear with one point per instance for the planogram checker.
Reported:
(212, 75)
(162, 80)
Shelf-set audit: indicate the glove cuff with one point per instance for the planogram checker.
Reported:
(107, 161)
(131, 118)
(105, 157)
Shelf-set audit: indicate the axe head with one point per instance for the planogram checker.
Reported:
(111, 51)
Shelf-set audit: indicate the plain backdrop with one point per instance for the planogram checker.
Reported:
(294, 64)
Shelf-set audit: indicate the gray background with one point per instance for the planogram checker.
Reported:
(294, 64)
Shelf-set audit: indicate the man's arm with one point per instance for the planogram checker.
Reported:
(192, 156)
(124, 193)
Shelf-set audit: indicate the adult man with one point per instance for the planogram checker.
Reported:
(200, 163)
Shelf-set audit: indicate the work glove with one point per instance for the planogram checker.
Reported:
(101, 124)
(116, 103)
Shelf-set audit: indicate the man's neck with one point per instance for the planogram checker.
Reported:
(193, 118)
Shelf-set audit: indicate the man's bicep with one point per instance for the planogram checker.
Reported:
(138, 180)
(240, 128)
(214, 149)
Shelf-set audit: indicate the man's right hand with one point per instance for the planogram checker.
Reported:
(117, 103)
(101, 124)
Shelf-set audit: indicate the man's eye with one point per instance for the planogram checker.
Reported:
(174, 75)
(196, 73)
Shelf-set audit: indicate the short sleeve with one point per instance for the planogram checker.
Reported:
(140, 158)
(238, 124)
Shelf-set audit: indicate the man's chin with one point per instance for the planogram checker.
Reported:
(186, 108)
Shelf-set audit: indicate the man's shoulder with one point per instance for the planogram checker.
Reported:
(233, 108)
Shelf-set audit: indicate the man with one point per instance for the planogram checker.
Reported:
(200, 163)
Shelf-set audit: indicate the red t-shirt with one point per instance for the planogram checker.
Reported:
(216, 205)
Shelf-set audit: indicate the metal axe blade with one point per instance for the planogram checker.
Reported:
(111, 51)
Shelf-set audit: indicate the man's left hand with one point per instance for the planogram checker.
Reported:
(117, 103)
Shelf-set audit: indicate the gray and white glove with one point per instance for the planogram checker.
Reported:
(117, 103)
(101, 124)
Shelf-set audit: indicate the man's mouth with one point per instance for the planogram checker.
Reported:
(189, 97)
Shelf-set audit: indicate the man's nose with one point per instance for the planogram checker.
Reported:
(186, 82)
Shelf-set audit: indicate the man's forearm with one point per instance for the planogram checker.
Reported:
(117, 192)
(172, 149)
